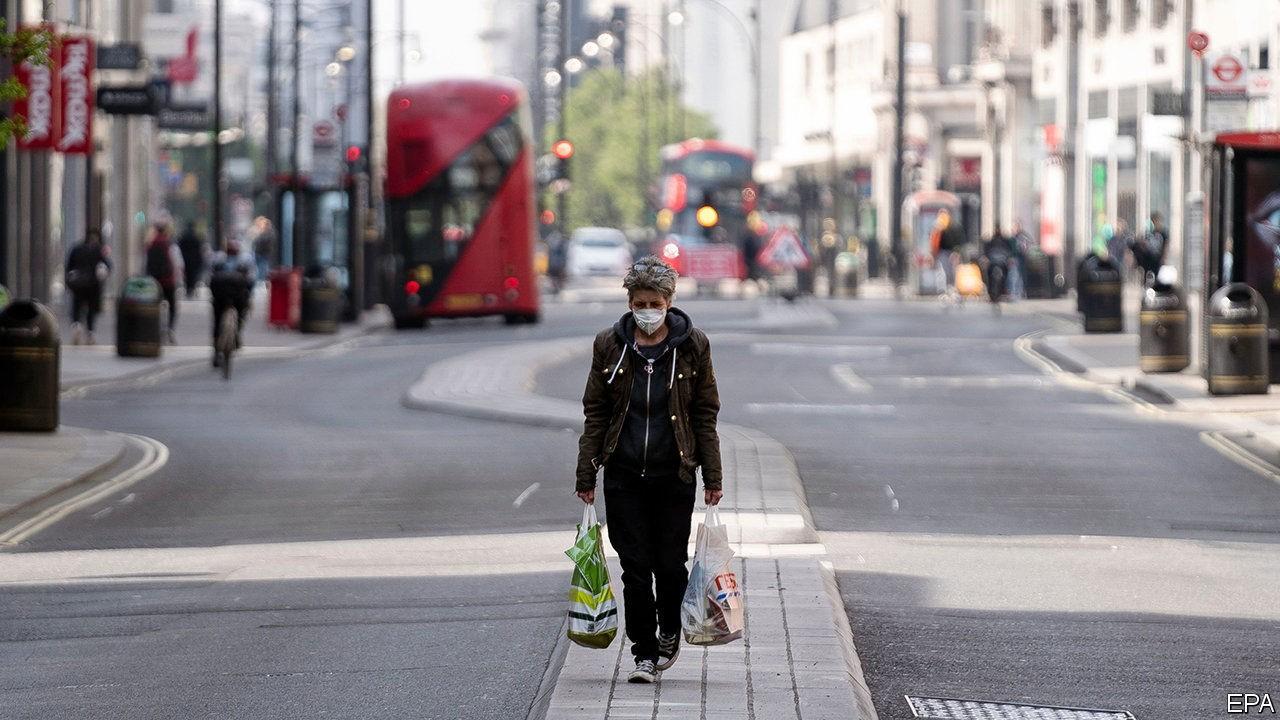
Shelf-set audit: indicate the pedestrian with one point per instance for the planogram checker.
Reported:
(1154, 245)
(557, 260)
(1021, 244)
(88, 266)
(651, 404)
(264, 246)
(1120, 245)
(192, 246)
(164, 264)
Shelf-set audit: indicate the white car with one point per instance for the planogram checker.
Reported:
(598, 251)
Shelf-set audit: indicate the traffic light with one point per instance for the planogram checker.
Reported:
(353, 154)
(707, 215)
(562, 150)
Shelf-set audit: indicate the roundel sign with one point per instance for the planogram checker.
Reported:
(1227, 69)
(324, 134)
(1197, 41)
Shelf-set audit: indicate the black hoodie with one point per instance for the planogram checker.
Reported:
(647, 444)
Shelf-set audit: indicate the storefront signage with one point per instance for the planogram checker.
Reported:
(127, 100)
(73, 132)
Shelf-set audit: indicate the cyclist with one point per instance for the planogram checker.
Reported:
(231, 278)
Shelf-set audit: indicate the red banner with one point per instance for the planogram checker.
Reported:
(39, 107)
(73, 130)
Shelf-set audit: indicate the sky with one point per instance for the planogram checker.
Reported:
(447, 35)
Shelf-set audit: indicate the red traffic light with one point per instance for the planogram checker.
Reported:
(562, 149)
(353, 154)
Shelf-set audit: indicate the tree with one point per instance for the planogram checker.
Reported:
(617, 125)
(22, 45)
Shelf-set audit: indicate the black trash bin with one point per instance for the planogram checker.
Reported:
(29, 367)
(1099, 296)
(321, 304)
(1237, 360)
(1164, 340)
(138, 318)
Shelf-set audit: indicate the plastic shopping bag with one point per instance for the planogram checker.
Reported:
(712, 612)
(593, 611)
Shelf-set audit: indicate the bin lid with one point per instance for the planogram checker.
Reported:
(1238, 302)
(1099, 267)
(27, 323)
(141, 288)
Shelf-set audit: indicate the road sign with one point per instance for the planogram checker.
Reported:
(122, 56)
(1197, 42)
(324, 134)
(1226, 76)
(127, 100)
(784, 250)
(193, 116)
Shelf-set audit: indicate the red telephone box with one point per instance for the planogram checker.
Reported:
(1243, 219)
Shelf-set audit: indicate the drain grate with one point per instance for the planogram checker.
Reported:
(952, 709)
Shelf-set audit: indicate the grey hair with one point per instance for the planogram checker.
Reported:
(650, 273)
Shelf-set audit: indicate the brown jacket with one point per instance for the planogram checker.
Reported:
(695, 403)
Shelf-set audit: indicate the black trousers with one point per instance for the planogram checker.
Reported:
(648, 521)
(171, 297)
(84, 305)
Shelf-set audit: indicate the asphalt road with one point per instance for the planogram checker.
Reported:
(314, 549)
(323, 550)
(998, 536)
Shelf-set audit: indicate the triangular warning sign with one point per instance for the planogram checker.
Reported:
(784, 250)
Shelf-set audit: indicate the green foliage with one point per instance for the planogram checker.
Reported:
(617, 126)
(23, 45)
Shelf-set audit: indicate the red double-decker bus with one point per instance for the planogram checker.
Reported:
(459, 203)
(708, 196)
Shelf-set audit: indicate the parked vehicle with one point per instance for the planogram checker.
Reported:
(598, 252)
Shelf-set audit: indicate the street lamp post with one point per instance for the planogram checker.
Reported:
(218, 240)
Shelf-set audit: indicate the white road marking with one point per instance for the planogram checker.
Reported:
(845, 375)
(102, 513)
(1234, 452)
(850, 352)
(155, 455)
(128, 498)
(525, 495)
(976, 381)
(820, 409)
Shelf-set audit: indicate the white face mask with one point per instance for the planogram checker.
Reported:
(649, 320)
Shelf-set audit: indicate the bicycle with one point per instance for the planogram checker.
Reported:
(225, 347)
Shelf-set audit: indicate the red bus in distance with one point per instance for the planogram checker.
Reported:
(708, 202)
(459, 203)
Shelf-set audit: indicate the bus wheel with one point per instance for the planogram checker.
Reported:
(409, 322)
(521, 319)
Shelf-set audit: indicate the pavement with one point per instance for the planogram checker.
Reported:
(85, 367)
(796, 658)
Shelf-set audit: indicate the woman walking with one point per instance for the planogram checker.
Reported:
(651, 404)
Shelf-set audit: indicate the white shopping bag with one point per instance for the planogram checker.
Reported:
(712, 611)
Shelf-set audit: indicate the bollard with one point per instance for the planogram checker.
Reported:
(29, 367)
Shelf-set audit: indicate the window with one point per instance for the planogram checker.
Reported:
(808, 74)
(1099, 104)
(1129, 17)
(1048, 25)
(1158, 56)
(438, 222)
(831, 63)
(1161, 11)
(1101, 17)
(1264, 56)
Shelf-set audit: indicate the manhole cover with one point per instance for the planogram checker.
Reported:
(952, 709)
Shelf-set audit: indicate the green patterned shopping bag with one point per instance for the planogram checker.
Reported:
(593, 611)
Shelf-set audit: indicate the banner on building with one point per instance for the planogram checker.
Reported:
(73, 128)
(39, 108)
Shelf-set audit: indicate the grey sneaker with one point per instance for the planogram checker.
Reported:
(668, 650)
(646, 672)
